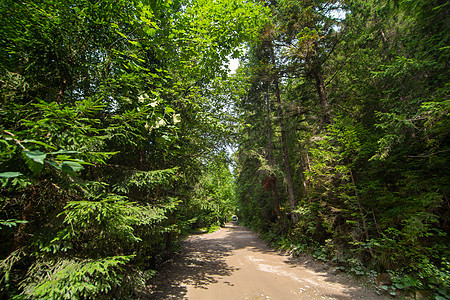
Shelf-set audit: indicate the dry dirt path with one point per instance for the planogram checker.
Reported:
(232, 263)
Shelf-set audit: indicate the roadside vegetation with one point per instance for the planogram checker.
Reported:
(117, 119)
(344, 145)
(112, 138)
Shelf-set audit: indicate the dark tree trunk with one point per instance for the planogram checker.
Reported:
(271, 160)
(323, 97)
(302, 170)
(287, 167)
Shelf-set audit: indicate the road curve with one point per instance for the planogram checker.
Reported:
(232, 263)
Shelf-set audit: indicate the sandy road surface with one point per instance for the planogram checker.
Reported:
(232, 263)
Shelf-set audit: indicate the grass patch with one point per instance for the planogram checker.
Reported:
(202, 230)
(213, 228)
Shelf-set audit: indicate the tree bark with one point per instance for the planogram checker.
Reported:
(284, 143)
(271, 160)
(302, 170)
(323, 97)
(315, 67)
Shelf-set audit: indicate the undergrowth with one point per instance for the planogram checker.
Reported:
(424, 280)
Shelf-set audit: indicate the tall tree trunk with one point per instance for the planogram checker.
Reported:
(287, 167)
(302, 169)
(271, 160)
(315, 66)
(323, 97)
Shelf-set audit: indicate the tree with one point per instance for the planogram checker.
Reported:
(365, 120)
(99, 103)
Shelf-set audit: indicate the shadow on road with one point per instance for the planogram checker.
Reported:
(200, 263)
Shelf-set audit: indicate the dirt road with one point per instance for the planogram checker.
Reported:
(232, 263)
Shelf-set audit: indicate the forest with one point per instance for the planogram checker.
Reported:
(122, 130)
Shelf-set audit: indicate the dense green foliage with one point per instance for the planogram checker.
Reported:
(116, 117)
(358, 94)
(111, 140)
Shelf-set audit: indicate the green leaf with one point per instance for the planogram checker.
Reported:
(136, 43)
(71, 166)
(11, 222)
(55, 165)
(150, 31)
(169, 110)
(39, 143)
(10, 174)
(34, 160)
(36, 156)
(64, 152)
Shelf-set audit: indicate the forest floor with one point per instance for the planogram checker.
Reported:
(232, 263)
